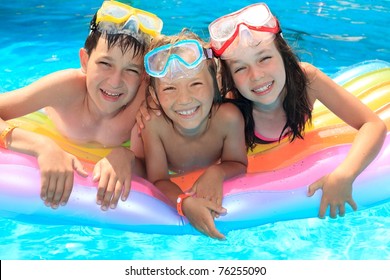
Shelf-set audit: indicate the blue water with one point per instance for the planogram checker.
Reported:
(39, 37)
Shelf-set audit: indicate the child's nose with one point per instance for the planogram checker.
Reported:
(184, 98)
(115, 79)
(256, 73)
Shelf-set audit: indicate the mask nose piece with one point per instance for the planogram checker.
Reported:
(131, 24)
(246, 37)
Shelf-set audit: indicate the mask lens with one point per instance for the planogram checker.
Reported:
(150, 22)
(257, 15)
(115, 11)
(157, 61)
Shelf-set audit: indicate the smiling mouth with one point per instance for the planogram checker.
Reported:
(110, 94)
(187, 113)
(263, 89)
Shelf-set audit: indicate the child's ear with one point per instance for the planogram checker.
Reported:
(153, 94)
(83, 59)
(145, 77)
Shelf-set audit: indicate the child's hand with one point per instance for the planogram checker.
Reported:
(114, 174)
(57, 175)
(144, 114)
(209, 186)
(198, 211)
(337, 190)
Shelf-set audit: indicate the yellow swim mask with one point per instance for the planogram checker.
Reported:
(117, 18)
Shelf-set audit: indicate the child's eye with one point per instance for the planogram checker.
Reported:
(196, 83)
(132, 70)
(168, 88)
(103, 63)
(238, 69)
(265, 58)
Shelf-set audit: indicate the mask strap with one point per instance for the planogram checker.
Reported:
(208, 53)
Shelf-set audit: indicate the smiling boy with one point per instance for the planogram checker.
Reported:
(95, 104)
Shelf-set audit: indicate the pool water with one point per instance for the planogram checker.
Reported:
(39, 37)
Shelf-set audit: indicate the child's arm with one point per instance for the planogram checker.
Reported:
(198, 211)
(143, 113)
(54, 90)
(56, 165)
(114, 172)
(337, 186)
(234, 159)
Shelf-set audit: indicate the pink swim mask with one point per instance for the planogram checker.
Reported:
(249, 26)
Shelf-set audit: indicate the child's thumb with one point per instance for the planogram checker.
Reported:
(79, 168)
(96, 173)
(314, 187)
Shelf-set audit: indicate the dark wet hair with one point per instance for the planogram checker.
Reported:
(124, 41)
(295, 104)
(185, 34)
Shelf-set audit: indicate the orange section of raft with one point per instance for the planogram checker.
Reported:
(327, 130)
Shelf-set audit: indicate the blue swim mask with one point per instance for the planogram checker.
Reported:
(179, 60)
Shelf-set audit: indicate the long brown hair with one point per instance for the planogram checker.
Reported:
(295, 104)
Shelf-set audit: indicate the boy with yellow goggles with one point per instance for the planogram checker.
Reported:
(107, 90)
(117, 18)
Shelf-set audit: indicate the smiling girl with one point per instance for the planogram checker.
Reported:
(276, 93)
(196, 132)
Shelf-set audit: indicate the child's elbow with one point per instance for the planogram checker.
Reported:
(244, 168)
(382, 128)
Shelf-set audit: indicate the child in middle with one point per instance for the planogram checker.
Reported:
(196, 132)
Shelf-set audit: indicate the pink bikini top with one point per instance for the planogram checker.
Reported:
(268, 140)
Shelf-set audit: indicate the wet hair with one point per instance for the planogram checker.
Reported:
(185, 34)
(124, 41)
(295, 103)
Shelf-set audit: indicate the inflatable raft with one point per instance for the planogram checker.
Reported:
(274, 189)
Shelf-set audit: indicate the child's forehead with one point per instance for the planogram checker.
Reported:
(202, 75)
(252, 52)
(103, 47)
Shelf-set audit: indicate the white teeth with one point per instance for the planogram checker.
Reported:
(263, 88)
(111, 94)
(187, 112)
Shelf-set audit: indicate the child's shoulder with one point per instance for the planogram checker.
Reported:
(309, 69)
(229, 112)
(64, 80)
(76, 76)
(67, 74)
(156, 122)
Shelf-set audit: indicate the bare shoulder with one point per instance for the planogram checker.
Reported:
(56, 90)
(310, 70)
(156, 123)
(229, 111)
(74, 77)
(67, 84)
(229, 115)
